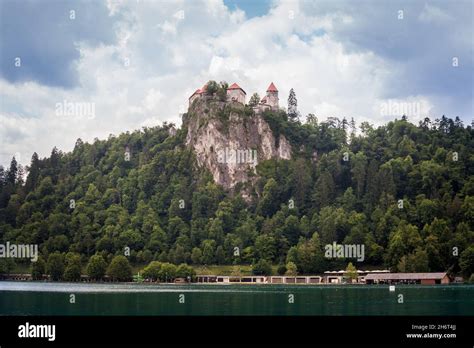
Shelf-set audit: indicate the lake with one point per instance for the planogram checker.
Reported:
(40, 298)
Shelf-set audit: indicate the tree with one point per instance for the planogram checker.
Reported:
(33, 173)
(281, 270)
(292, 106)
(208, 251)
(72, 271)
(120, 269)
(291, 229)
(269, 202)
(265, 247)
(55, 266)
(291, 269)
(351, 272)
(254, 99)
(325, 189)
(38, 268)
(309, 255)
(222, 91)
(403, 241)
(466, 261)
(220, 255)
(196, 256)
(359, 166)
(211, 87)
(168, 272)
(262, 267)
(96, 267)
(186, 272)
(353, 127)
(152, 271)
(12, 173)
(419, 261)
(2, 177)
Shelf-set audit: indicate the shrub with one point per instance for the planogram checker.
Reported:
(38, 268)
(281, 270)
(211, 87)
(152, 271)
(262, 267)
(73, 267)
(55, 266)
(119, 269)
(168, 272)
(96, 267)
(185, 271)
(291, 269)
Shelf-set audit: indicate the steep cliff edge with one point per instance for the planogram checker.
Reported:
(229, 139)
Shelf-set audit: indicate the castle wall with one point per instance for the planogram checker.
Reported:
(272, 100)
(236, 95)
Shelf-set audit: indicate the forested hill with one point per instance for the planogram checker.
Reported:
(404, 191)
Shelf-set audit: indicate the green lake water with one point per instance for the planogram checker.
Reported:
(36, 298)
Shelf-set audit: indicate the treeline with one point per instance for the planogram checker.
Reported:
(404, 191)
(68, 267)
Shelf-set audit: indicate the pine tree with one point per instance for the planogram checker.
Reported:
(254, 99)
(353, 127)
(292, 106)
(12, 173)
(33, 173)
(2, 177)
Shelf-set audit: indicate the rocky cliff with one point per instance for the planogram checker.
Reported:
(229, 139)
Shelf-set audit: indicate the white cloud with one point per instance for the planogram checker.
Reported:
(433, 14)
(162, 55)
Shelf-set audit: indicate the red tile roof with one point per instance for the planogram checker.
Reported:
(236, 86)
(272, 88)
(198, 91)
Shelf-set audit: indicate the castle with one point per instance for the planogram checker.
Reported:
(236, 94)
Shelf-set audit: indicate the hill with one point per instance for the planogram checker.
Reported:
(404, 191)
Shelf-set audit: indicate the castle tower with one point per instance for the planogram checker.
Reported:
(272, 96)
(236, 93)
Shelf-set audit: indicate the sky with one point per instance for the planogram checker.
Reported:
(88, 69)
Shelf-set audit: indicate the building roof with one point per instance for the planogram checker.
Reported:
(236, 86)
(404, 276)
(272, 88)
(197, 91)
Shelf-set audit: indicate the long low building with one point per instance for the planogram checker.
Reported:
(407, 278)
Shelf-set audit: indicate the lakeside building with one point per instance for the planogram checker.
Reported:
(335, 277)
(330, 277)
(339, 277)
(408, 278)
(260, 279)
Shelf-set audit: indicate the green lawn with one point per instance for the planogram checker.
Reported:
(228, 269)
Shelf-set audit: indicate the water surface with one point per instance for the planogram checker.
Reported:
(41, 298)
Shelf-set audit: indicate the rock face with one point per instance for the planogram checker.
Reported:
(230, 140)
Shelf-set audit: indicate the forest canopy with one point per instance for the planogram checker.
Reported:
(404, 191)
